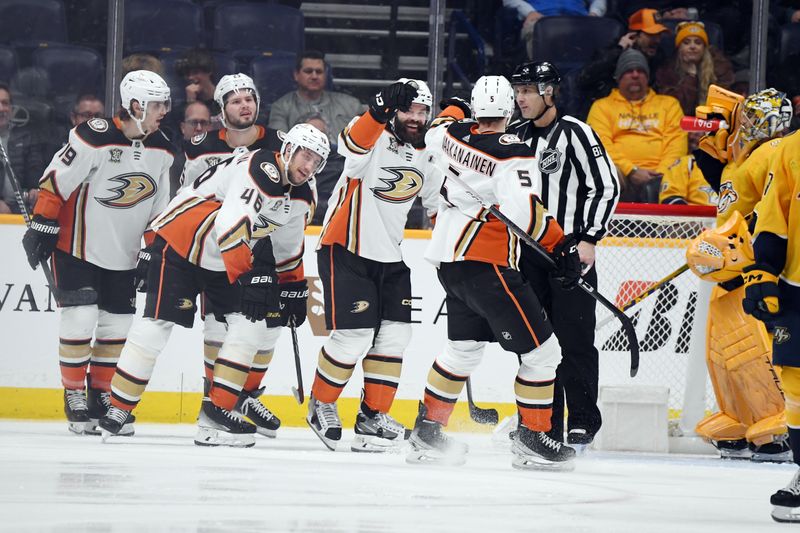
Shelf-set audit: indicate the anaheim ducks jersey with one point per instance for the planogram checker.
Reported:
(234, 203)
(779, 214)
(742, 186)
(684, 183)
(207, 149)
(104, 189)
(497, 166)
(369, 205)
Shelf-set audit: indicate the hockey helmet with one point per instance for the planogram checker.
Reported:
(542, 74)
(762, 116)
(306, 136)
(234, 83)
(144, 87)
(424, 95)
(492, 96)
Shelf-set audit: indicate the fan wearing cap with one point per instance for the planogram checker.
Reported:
(97, 198)
(596, 79)
(639, 128)
(693, 68)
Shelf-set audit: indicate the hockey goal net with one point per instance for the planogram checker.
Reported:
(645, 243)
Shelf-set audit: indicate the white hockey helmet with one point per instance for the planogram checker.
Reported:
(424, 95)
(234, 83)
(492, 96)
(144, 87)
(306, 136)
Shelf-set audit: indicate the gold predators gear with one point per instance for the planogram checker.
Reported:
(748, 392)
(720, 254)
(723, 104)
(761, 116)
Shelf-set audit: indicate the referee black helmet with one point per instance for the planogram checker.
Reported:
(539, 73)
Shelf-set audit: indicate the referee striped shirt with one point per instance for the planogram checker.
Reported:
(578, 181)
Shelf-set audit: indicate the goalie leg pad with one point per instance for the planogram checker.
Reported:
(383, 364)
(75, 330)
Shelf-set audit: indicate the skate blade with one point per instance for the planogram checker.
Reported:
(269, 433)
(435, 457)
(213, 437)
(580, 449)
(530, 462)
(785, 514)
(783, 457)
(78, 428)
(329, 443)
(370, 444)
(735, 455)
(95, 429)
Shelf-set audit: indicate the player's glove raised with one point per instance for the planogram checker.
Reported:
(761, 295)
(40, 240)
(568, 262)
(460, 103)
(259, 294)
(294, 295)
(387, 101)
(142, 265)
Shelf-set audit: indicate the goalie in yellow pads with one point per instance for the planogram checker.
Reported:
(751, 421)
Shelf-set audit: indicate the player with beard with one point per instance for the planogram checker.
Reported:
(367, 285)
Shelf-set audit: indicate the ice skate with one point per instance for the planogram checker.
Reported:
(534, 450)
(772, 452)
(116, 422)
(219, 427)
(77, 410)
(324, 419)
(579, 439)
(99, 404)
(430, 445)
(733, 449)
(787, 501)
(376, 432)
(250, 406)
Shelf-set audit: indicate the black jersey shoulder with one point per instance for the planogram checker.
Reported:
(500, 145)
(268, 139)
(265, 170)
(159, 141)
(303, 193)
(99, 132)
(205, 144)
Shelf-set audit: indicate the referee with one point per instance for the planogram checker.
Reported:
(578, 185)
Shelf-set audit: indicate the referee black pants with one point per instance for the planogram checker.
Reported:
(572, 314)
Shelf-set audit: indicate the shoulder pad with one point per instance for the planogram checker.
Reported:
(159, 140)
(197, 139)
(99, 132)
(304, 193)
(206, 144)
(270, 139)
(264, 171)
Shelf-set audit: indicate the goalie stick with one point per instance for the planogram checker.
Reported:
(481, 416)
(627, 325)
(71, 298)
(297, 392)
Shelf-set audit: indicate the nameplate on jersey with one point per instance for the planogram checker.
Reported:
(468, 158)
(549, 161)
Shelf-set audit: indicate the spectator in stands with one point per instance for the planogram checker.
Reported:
(142, 62)
(684, 183)
(310, 73)
(27, 151)
(196, 119)
(530, 11)
(695, 66)
(639, 128)
(87, 106)
(197, 69)
(596, 79)
(741, 82)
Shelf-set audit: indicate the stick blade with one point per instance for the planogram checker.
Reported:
(484, 416)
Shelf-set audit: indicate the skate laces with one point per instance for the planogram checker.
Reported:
(550, 443)
(105, 399)
(76, 400)
(328, 415)
(118, 415)
(259, 408)
(385, 421)
(794, 485)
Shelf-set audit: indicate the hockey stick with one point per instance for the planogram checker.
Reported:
(297, 391)
(481, 416)
(79, 297)
(627, 325)
(636, 300)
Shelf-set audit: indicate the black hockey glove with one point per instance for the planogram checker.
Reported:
(293, 302)
(40, 240)
(142, 265)
(388, 100)
(460, 103)
(761, 294)
(262, 253)
(568, 263)
(259, 294)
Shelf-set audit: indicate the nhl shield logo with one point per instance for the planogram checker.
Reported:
(549, 161)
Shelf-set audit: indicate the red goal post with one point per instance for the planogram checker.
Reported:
(645, 243)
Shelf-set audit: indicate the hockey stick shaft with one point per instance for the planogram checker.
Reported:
(481, 416)
(636, 300)
(627, 325)
(298, 392)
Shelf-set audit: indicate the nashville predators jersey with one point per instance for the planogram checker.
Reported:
(369, 205)
(104, 189)
(207, 149)
(213, 222)
(683, 183)
(497, 167)
(742, 186)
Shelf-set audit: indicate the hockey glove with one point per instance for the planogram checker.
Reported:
(568, 262)
(761, 295)
(387, 101)
(142, 265)
(460, 103)
(259, 294)
(40, 240)
(262, 253)
(293, 302)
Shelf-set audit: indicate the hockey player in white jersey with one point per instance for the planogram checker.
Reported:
(487, 298)
(367, 286)
(202, 244)
(239, 100)
(96, 199)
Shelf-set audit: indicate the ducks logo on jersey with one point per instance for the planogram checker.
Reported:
(132, 189)
(402, 186)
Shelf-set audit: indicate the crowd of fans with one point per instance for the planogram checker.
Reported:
(634, 93)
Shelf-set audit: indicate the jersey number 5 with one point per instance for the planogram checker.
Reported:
(524, 178)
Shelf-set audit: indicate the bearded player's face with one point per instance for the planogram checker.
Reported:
(412, 125)
(240, 110)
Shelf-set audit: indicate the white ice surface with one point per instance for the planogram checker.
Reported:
(159, 480)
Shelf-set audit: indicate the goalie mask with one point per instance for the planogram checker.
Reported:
(720, 254)
(144, 87)
(235, 83)
(762, 116)
(308, 137)
(492, 97)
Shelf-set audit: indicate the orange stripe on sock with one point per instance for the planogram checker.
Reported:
(223, 398)
(101, 376)
(437, 410)
(325, 392)
(379, 396)
(254, 378)
(74, 377)
(536, 419)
